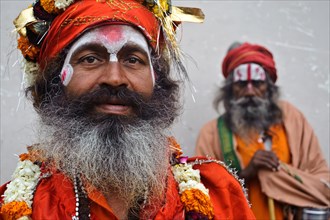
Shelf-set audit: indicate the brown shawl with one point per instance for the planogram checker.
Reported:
(307, 162)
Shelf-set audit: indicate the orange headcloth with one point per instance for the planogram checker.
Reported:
(86, 14)
(249, 53)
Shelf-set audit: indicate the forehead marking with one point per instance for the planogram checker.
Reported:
(248, 72)
(114, 34)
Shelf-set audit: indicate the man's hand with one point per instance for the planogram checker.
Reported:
(261, 160)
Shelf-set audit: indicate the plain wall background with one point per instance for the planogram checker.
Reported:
(296, 32)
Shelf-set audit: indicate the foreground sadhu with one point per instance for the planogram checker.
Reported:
(100, 83)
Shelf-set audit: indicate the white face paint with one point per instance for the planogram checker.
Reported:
(111, 37)
(248, 72)
(66, 74)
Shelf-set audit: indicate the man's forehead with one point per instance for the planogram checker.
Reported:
(249, 71)
(112, 37)
(115, 33)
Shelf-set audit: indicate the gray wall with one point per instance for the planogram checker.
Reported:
(297, 32)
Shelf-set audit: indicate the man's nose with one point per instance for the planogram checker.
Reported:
(114, 75)
(249, 89)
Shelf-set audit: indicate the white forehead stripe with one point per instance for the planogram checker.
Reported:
(123, 34)
(249, 71)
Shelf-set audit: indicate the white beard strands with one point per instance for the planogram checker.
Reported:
(135, 162)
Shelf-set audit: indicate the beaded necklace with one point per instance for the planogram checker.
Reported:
(82, 210)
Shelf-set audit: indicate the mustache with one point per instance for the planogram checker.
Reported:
(160, 108)
(107, 94)
(249, 101)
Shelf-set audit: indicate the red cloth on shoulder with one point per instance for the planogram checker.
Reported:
(225, 191)
(54, 198)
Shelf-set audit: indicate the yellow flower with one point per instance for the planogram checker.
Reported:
(195, 200)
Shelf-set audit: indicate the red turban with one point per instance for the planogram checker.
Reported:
(85, 14)
(249, 53)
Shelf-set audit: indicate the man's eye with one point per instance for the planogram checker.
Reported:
(257, 83)
(241, 83)
(89, 59)
(133, 60)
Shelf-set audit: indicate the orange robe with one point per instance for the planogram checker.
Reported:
(281, 149)
(55, 199)
(306, 160)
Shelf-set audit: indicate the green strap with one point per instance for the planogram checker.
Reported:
(227, 146)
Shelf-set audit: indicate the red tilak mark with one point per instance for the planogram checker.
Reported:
(249, 72)
(113, 34)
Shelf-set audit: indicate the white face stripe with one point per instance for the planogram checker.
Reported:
(248, 72)
(113, 38)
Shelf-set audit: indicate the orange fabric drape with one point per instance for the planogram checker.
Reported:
(225, 191)
(55, 199)
(281, 149)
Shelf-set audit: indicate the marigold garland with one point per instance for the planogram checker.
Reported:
(29, 51)
(18, 196)
(16, 209)
(195, 200)
(49, 6)
(194, 195)
(24, 156)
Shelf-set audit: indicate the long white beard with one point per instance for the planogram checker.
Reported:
(249, 119)
(132, 166)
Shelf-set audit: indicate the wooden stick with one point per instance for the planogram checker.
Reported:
(271, 208)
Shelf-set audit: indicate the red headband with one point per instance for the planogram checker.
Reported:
(249, 53)
(85, 14)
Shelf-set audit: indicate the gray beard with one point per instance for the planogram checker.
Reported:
(132, 166)
(247, 119)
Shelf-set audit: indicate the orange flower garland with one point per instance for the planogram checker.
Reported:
(195, 200)
(24, 156)
(14, 210)
(28, 50)
(194, 195)
(49, 6)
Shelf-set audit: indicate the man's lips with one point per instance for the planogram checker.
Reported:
(114, 106)
(114, 109)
